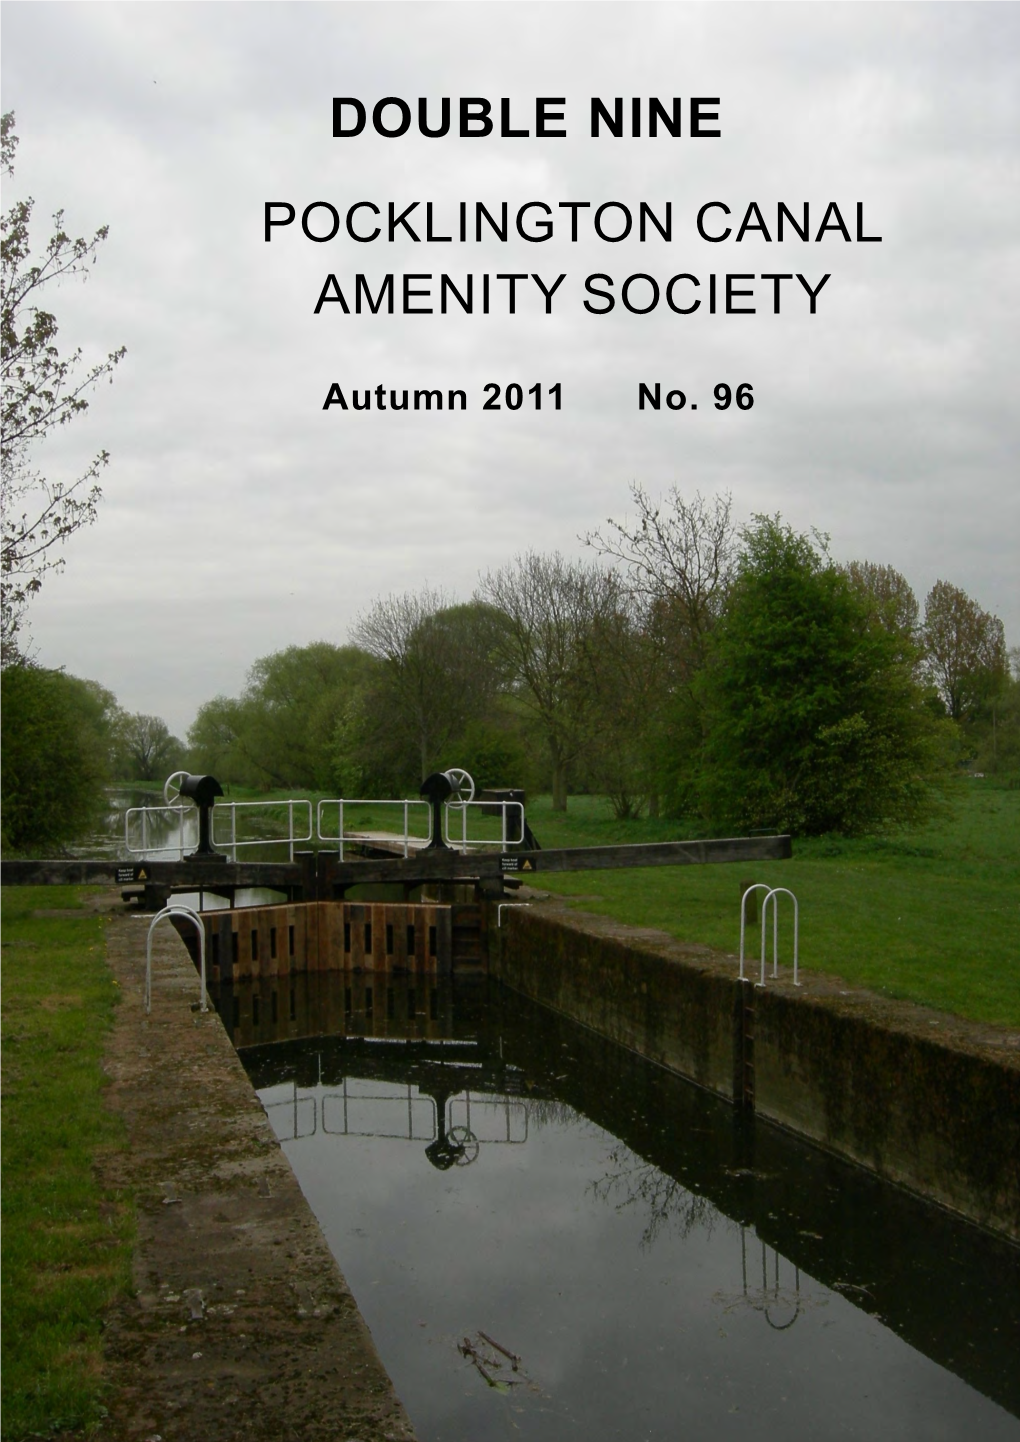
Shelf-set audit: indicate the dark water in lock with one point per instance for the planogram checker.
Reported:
(491, 1176)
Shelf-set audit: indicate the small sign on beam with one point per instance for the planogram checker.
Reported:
(517, 863)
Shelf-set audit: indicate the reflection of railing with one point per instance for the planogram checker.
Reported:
(390, 1103)
(408, 808)
(402, 1112)
(471, 1112)
(484, 808)
(293, 1104)
(771, 1296)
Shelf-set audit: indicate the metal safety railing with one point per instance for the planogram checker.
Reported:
(406, 810)
(233, 843)
(772, 894)
(176, 908)
(141, 822)
(147, 828)
(484, 808)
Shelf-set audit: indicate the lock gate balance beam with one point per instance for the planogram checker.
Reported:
(323, 876)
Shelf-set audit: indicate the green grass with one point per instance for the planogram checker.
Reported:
(931, 915)
(66, 1242)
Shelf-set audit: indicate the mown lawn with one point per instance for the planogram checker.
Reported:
(931, 915)
(66, 1243)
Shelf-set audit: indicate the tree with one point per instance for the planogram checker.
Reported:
(41, 390)
(816, 723)
(57, 737)
(555, 616)
(282, 731)
(215, 742)
(438, 673)
(965, 651)
(144, 749)
(677, 561)
(890, 598)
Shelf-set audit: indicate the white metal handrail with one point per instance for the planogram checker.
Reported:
(176, 908)
(234, 806)
(184, 813)
(757, 886)
(776, 892)
(463, 841)
(340, 802)
(148, 813)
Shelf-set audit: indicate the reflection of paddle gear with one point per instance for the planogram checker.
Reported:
(459, 1148)
(442, 1153)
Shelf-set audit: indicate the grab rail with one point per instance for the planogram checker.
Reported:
(772, 894)
(176, 908)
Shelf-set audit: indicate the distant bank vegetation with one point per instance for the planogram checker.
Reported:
(691, 668)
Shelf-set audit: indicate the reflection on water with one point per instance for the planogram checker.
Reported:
(551, 1239)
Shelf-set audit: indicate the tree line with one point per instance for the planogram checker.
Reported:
(689, 667)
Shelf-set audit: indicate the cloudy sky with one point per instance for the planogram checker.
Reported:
(240, 517)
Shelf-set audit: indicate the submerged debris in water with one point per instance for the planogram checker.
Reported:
(486, 1363)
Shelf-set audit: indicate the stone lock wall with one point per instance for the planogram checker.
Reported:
(921, 1098)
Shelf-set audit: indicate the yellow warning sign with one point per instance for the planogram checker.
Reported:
(143, 875)
(527, 866)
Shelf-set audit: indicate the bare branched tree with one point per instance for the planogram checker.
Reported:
(670, 1206)
(678, 559)
(557, 615)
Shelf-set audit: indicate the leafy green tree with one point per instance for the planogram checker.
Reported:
(891, 600)
(57, 741)
(281, 732)
(215, 744)
(41, 390)
(816, 723)
(965, 652)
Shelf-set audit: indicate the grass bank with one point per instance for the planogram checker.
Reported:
(930, 915)
(66, 1242)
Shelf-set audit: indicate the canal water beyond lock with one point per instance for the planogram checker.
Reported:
(550, 1238)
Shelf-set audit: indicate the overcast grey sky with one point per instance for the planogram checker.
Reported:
(240, 517)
